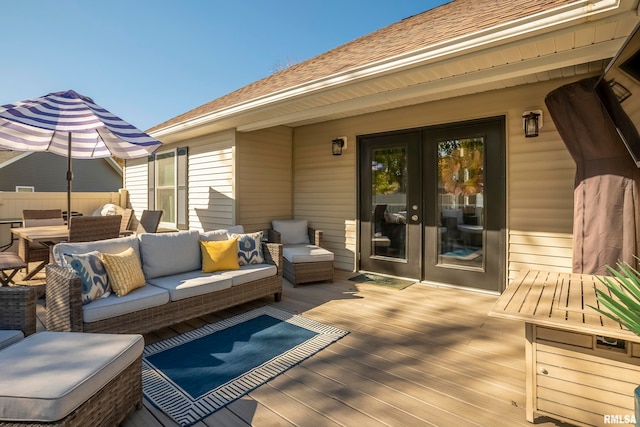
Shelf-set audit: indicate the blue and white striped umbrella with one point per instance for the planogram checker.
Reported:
(67, 123)
(71, 125)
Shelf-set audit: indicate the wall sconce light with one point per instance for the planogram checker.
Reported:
(619, 90)
(338, 144)
(532, 123)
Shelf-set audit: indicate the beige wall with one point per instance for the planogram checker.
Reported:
(539, 175)
(264, 177)
(211, 169)
(211, 181)
(251, 178)
(134, 175)
(234, 178)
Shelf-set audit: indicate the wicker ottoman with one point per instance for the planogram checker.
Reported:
(307, 263)
(71, 379)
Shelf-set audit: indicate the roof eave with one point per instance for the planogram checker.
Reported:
(515, 30)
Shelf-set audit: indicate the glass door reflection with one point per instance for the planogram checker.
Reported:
(389, 186)
(460, 203)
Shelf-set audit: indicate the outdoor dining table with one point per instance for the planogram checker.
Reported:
(47, 235)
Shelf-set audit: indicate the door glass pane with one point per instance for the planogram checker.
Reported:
(460, 203)
(389, 200)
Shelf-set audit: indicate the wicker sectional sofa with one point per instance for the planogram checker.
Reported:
(176, 289)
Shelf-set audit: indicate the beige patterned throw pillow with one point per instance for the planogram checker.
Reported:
(124, 271)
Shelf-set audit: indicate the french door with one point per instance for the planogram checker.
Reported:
(432, 203)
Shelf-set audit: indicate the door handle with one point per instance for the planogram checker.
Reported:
(414, 217)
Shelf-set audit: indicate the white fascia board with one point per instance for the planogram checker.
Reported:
(15, 159)
(115, 165)
(433, 88)
(554, 17)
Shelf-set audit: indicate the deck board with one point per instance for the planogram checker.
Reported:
(422, 356)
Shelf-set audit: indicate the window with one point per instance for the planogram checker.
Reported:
(25, 189)
(167, 186)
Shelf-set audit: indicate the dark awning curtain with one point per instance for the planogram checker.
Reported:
(605, 229)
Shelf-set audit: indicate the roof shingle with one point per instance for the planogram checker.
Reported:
(437, 25)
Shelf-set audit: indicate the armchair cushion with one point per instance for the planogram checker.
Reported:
(306, 253)
(292, 231)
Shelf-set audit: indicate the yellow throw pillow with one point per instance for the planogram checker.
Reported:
(219, 255)
(124, 271)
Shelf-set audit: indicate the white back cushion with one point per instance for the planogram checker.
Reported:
(164, 254)
(292, 231)
(221, 234)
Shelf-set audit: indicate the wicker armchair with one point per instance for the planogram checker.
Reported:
(18, 309)
(90, 228)
(304, 263)
(36, 252)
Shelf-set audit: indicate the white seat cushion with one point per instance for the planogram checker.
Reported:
(306, 253)
(53, 373)
(191, 283)
(105, 308)
(9, 336)
(250, 272)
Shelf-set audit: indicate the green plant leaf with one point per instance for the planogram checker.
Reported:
(619, 310)
(629, 277)
(624, 285)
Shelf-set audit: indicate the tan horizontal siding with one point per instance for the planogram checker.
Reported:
(324, 186)
(135, 181)
(540, 178)
(211, 181)
(263, 177)
(539, 251)
(539, 173)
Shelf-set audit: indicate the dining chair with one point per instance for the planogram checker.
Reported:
(127, 216)
(33, 251)
(39, 217)
(90, 228)
(149, 221)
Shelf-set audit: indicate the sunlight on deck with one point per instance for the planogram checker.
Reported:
(419, 356)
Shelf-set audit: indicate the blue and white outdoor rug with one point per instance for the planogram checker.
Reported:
(196, 373)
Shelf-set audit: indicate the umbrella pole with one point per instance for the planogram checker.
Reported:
(69, 179)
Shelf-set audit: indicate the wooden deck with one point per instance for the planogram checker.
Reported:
(422, 356)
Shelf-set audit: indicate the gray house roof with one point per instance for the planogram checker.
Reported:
(461, 47)
(46, 172)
